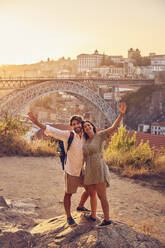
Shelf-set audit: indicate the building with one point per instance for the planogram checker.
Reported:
(49, 68)
(117, 59)
(124, 89)
(147, 72)
(145, 128)
(102, 71)
(154, 128)
(86, 62)
(157, 66)
(157, 62)
(129, 70)
(133, 53)
(158, 128)
(116, 72)
(112, 72)
(157, 59)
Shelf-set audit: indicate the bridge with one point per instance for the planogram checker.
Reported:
(26, 90)
(15, 83)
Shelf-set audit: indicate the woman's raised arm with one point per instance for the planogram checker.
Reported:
(122, 110)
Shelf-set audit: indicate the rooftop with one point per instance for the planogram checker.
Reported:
(156, 123)
(155, 140)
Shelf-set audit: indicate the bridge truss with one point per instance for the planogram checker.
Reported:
(14, 102)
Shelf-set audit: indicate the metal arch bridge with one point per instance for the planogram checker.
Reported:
(14, 102)
(26, 90)
(22, 82)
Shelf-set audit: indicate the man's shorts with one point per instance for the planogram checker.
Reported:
(72, 183)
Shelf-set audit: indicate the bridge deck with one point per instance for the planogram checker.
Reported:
(13, 83)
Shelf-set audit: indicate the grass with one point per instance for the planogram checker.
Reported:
(20, 147)
(124, 164)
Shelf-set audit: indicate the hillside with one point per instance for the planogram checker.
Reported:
(145, 106)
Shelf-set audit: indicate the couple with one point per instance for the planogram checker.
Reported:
(86, 146)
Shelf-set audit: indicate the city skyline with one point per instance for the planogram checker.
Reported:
(35, 30)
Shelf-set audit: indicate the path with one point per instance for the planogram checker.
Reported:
(41, 179)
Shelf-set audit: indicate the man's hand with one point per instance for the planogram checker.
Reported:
(35, 121)
(122, 108)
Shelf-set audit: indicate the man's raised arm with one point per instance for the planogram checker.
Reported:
(35, 121)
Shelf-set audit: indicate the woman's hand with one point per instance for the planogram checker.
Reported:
(122, 108)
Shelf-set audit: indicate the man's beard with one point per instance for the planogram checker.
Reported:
(78, 130)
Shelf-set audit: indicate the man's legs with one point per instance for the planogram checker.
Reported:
(71, 185)
(84, 196)
(69, 190)
(67, 204)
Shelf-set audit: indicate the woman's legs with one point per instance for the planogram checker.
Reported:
(101, 192)
(92, 193)
(83, 199)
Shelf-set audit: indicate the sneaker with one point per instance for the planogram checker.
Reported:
(89, 217)
(83, 210)
(104, 223)
(71, 222)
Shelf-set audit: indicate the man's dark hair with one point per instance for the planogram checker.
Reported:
(77, 118)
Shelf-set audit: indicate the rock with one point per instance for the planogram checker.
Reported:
(13, 220)
(3, 202)
(55, 233)
(23, 206)
(20, 239)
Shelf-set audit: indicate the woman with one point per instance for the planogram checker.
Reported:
(96, 175)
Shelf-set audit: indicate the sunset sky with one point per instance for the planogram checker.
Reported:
(33, 30)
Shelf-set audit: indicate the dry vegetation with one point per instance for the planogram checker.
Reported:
(122, 154)
(127, 158)
(12, 141)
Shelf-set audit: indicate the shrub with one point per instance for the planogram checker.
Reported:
(141, 155)
(159, 162)
(12, 141)
(123, 153)
(121, 140)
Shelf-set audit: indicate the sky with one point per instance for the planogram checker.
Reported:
(33, 30)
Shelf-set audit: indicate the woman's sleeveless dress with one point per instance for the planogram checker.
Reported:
(96, 170)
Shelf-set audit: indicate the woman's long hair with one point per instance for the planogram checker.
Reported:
(85, 134)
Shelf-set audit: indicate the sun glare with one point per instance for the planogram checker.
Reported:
(30, 31)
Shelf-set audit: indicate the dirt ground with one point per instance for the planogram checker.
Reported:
(41, 180)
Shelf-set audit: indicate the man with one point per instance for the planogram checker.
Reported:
(74, 162)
